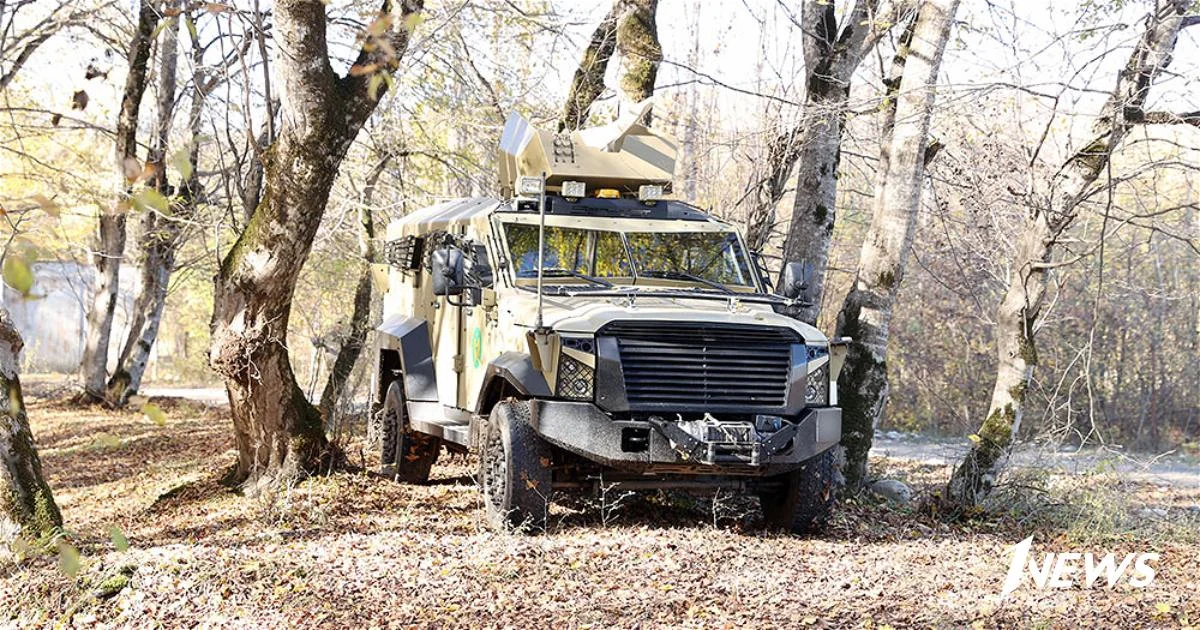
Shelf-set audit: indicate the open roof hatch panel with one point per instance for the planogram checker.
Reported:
(622, 154)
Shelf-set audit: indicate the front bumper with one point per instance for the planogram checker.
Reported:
(658, 444)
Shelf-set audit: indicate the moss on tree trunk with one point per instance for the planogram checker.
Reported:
(641, 53)
(588, 82)
(26, 497)
(278, 431)
(866, 314)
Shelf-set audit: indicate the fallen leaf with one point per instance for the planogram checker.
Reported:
(68, 559)
(17, 274)
(154, 413)
(182, 161)
(150, 199)
(131, 167)
(48, 206)
(118, 538)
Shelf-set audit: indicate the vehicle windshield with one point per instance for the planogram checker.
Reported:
(710, 260)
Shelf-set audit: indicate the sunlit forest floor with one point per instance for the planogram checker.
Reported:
(356, 550)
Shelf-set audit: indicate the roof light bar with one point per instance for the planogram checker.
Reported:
(529, 186)
(574, 189)
(650, 192)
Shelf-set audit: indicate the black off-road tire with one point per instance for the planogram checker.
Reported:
(804, 498)
(514, 469)
(404, 455)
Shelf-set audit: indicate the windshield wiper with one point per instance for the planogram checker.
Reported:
(683, 275)
(559, 272)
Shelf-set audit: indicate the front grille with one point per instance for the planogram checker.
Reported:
(680, 366)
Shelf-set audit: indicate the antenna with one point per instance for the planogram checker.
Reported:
(541, 247)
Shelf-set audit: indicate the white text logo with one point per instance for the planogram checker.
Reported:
(1065, 570)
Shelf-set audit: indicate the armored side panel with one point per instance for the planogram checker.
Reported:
(409, 336)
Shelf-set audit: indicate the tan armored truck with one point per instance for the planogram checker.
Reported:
(640, 346)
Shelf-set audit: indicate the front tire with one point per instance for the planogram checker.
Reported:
(404, 455)
(514, 469)
(803, 500)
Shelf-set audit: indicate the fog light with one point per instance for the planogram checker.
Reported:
(574, 379)
(817, 391)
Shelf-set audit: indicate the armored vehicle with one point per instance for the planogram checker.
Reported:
(587, 331)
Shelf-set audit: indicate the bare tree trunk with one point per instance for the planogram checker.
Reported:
(279, 433)
(637, 41)
(686, 171)
(158, 236)
(1045, 223)
(867, 312)
(28, 503)
(360, 320)
(813, 148)
(252, 184)
(588, 81)
(110, 246)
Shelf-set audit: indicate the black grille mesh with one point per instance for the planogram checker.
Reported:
(574, 379)
(682, 366)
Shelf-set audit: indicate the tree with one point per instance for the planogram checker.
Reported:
(867, 311)
(157, 235)
(1047, 219)
(588, 82)
(629, 28)
(110, 243)
(162, 233)
(360, 318)
(279, 433)
(832, 53)
(641, 53)
(28, 502)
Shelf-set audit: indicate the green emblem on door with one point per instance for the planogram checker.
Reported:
(476, 347)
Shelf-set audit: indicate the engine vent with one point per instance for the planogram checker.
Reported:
(681, 366)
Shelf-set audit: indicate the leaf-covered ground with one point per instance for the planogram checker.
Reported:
(355, 550)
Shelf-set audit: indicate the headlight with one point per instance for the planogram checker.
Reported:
(816, 393)
(575, 378)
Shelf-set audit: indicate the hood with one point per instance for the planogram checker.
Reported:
(584, 314)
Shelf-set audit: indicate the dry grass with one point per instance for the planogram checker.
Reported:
(356, 550)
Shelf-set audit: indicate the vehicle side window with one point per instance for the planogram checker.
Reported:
(481, 266)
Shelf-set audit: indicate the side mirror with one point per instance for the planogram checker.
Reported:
(793, 280)
(447, 267)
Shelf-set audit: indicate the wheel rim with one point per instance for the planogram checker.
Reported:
(495, 478)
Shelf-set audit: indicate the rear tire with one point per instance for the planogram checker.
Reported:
(514, 469)
(404, 454)
(804, 498)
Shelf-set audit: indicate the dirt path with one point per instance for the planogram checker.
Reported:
(1171, 469)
